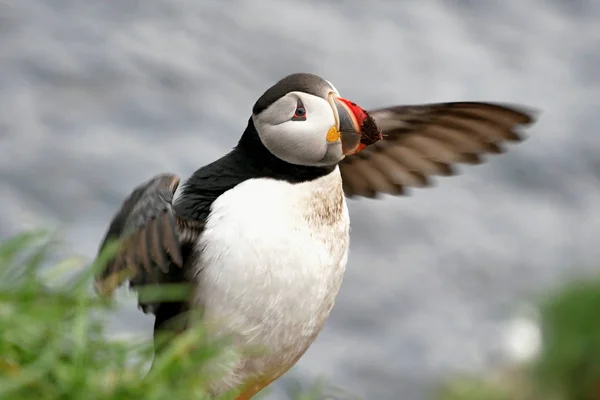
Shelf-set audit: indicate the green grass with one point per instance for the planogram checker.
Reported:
(53, 344)
(568, 364)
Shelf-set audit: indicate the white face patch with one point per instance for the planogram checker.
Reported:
(302, 142)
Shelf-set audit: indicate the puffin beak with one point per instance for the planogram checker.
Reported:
(357, 129)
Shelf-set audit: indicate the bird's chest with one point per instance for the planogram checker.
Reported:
(272, 259)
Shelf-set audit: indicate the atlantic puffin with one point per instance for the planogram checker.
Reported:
(261, 235)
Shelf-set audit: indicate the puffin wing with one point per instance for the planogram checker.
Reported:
(150, 237)
(424, 140)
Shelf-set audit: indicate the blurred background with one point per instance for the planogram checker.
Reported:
(96, 97)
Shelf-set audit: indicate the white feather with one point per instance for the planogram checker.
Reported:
(272, 259)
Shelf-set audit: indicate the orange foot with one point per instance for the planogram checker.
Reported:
(251, 389)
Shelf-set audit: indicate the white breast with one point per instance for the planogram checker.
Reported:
(272, 259)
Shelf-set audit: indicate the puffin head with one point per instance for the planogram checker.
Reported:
(303, 120)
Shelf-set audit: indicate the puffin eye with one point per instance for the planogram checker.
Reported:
(300, 113)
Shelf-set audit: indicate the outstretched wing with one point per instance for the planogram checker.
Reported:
(424, 140)
(151, 237)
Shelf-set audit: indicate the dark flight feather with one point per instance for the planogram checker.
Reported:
(420, 141)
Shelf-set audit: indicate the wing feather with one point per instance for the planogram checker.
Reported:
(151, 237)
(420, 141)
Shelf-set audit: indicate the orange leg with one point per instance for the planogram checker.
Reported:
(247, 394)
(253, 388)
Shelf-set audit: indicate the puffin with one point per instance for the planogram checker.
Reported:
(260, 236)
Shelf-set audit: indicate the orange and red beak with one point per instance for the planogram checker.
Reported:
(357, 128)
